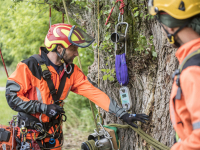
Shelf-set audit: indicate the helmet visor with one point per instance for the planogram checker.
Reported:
(151, 8)
(79, 38)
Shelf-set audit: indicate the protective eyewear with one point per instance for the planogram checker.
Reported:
(79, 38)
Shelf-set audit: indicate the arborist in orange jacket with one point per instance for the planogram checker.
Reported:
(40, 83)
(180, 19)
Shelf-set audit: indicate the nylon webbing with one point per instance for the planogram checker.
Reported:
(121, 69)
(153, 142)
(47, 77)
(188, 57)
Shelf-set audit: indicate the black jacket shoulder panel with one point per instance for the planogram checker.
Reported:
(193, 61)
(34, 67)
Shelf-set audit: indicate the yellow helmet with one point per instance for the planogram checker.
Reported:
(179, 9)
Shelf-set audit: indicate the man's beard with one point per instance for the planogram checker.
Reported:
(69, 61)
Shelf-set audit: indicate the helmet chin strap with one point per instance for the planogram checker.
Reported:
(61, 56)
(171, 37)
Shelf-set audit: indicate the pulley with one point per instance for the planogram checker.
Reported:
(119, 38)
(104, 143)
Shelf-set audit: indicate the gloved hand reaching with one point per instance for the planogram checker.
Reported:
(129, 118)
(54, 110)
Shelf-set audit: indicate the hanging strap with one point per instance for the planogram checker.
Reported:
(121, 8)
(121, 69)
(49, 16)
(47, 77)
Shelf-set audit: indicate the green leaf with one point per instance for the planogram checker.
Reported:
(134, 8)
(111, 78)
(136, 14)
(107, 70)
(112, 71)
(104, 70)
(154, 54)
(105, 77)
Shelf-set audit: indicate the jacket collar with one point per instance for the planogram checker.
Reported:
(186, 49)
(43, 54)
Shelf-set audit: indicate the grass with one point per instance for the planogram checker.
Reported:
(6, 112)
(3, 76)
(3, 79)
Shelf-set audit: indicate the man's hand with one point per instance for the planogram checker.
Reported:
(129, 118)
(54, 110)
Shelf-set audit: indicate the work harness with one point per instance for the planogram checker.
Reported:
(26, 121)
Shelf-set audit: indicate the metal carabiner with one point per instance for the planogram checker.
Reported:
(23, 129)
(119, 18)
(64, 116)
(39, 127)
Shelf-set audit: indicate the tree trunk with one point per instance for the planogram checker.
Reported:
(149, 77)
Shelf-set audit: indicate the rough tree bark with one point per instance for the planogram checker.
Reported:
(150, 78)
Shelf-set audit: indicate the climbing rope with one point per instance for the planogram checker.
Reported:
(153, 142)
(63, 18)
(81, 69)
(49, 16)
(121, 8)
(3, 63)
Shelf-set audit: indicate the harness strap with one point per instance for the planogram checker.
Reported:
(192, 59)
(47, 77)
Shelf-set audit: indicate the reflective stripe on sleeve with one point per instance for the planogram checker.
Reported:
(196, 125)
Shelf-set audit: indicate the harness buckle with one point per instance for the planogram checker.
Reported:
(53, 91)
(46, 74)
(176, 72)
(58, 102)
(65, 117)
(39, 127)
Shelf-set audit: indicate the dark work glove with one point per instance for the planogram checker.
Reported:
(129, 118)
(54, 110)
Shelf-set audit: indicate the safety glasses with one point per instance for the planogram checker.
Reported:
(79, 38)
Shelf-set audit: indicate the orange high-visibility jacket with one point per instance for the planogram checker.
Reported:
(185, 113)
(27, 91)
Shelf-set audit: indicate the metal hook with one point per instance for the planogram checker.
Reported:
(120, 16)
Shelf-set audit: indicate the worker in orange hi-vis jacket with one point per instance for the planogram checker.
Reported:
(38, 86)
(180, 19)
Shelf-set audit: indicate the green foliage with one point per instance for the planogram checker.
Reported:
(87, 58)
(80, 3)
(109, 74)
(3, 79)
(145, 45)
(23, 28)
(78, 112)
(6, 112)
